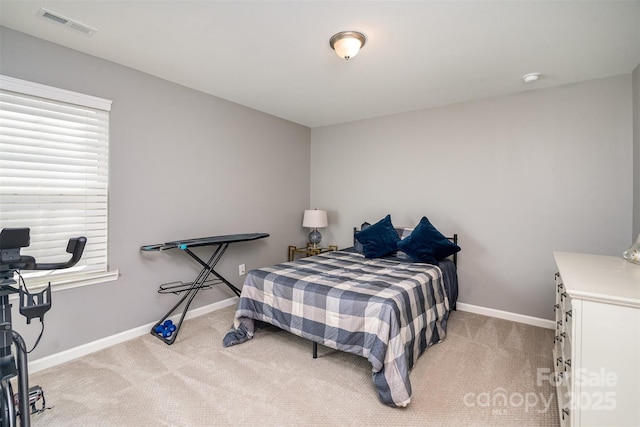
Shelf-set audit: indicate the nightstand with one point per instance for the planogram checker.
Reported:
(309, 250)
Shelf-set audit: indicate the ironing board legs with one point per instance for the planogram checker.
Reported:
(189, 294)
(208, 267)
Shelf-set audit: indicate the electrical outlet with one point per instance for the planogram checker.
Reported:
(241, 270)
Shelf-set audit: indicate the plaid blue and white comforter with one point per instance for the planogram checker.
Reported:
(386, 311)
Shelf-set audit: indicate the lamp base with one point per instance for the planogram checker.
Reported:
(315, 237)
(633, 253)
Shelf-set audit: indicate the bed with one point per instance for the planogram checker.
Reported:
(386, 308)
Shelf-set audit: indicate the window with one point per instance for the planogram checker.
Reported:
(54, 158)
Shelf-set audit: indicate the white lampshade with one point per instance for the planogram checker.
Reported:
(347, 44)
(315, 219)
(347, 48)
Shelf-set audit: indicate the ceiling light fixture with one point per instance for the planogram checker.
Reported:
(531, 77)
(347, 44)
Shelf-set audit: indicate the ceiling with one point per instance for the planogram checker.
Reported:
(274, 56)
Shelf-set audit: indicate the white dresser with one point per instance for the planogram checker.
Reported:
(597, 343)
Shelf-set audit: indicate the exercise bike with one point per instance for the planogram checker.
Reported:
(31, 306)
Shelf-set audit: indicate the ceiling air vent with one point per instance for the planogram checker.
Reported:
(58, 19)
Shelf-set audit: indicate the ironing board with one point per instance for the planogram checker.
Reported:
(202, 281)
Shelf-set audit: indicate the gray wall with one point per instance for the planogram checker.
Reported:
(517, 177)
(183, 164)
(636, 153)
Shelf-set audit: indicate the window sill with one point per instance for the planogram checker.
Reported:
(61, 283)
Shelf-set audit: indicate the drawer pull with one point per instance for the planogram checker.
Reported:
(558, 361)
(563, 296)
(565, 411)
(556, 307)
(567, 315)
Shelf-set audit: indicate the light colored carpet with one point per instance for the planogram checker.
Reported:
(484, 373)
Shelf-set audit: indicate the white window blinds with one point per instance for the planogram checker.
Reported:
(54, 157)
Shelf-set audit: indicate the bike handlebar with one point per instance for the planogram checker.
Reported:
(75, 247)
(14, 239)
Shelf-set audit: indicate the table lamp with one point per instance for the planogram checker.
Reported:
(315, 219)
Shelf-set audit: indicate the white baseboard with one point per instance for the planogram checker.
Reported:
(82, 350)
(520, 318)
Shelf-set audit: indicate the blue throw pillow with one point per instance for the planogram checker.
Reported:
(427, 244)
(379, 239)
